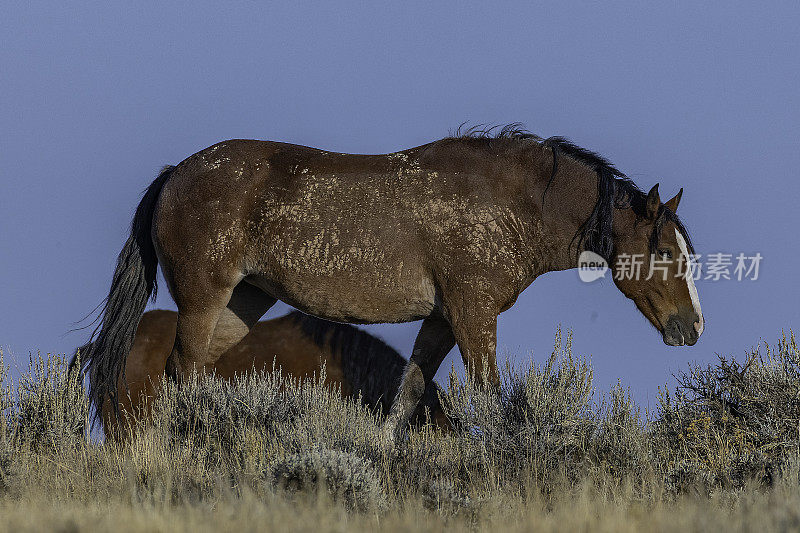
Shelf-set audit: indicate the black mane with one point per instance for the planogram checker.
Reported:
(614, 188)
(514, 131)
(372, 367)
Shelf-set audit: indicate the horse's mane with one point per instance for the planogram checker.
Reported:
(614, 188)
(371, 366)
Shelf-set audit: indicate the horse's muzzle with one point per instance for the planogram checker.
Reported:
(679, 331)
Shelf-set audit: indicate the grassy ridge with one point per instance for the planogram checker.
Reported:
(721, 450)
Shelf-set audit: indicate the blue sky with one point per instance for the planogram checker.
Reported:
(95, 99)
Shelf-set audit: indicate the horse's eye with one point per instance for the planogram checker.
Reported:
(666, 254)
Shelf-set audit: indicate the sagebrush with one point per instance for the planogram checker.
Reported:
(720, 433)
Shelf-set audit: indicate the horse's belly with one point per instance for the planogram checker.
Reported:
(354, 298)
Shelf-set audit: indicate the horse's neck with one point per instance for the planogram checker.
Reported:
(566, 205)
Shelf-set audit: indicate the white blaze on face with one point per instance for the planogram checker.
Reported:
(690, 281)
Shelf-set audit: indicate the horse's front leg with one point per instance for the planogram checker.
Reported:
(475, 331)
(434, 341)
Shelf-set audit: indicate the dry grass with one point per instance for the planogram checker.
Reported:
(721, 451)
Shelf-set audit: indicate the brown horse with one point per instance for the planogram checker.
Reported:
(360, 364)
(450, 232)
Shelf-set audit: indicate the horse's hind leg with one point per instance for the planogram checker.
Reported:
(434, 340)
(208, 328)
(246, 306)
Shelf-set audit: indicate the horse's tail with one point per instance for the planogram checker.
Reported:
(134, 282)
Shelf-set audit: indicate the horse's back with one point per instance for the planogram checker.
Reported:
(282, 343)
(285, 217)
(279, 342)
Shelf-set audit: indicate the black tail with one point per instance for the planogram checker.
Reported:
(133, 284)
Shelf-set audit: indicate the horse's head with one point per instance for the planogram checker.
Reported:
(652, 267)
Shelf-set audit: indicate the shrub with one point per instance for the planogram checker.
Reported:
(619, 445)
(544, 434)
(6, 461)
(444, 496)
(540, 423)
(51, 411)
(730, 423)
(344, 476)
(220, 419)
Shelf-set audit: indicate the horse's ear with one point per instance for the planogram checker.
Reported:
(653, 202)
(673, 203)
